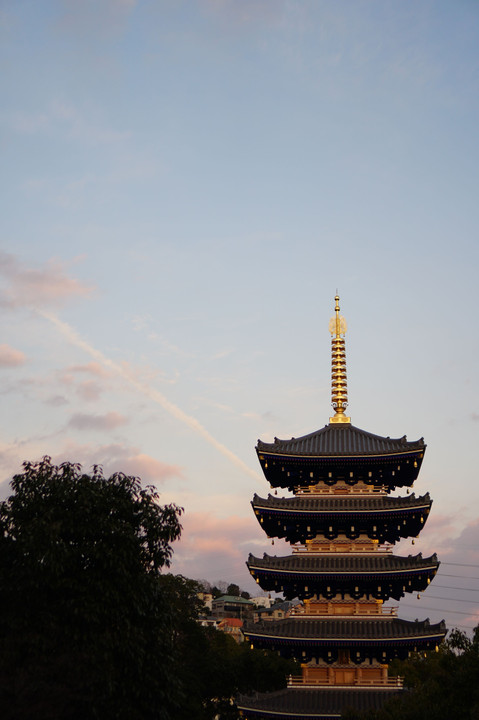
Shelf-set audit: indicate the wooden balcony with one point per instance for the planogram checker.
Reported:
(342, 548)
(340, 490)
(343, 609)
(348, 678)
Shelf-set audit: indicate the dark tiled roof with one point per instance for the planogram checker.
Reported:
(310, 563)
(351, 629)
(343, 440)
(341, 504)
(324, 704)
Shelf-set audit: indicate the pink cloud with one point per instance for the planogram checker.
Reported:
(148, 467)
(24, 286)
(91, 368)
(113, 458)
(89, 390)
(56, 400)
(109, 421)
(453, 595)
(215, 549)
(119, 458)
(9, 357)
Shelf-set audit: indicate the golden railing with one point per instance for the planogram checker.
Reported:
(342, 548)
(355, 610)
(299, 681)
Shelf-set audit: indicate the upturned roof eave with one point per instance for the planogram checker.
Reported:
(343, 505)
(356, 437)
(297, 640)
(343, 455)
(389, 563)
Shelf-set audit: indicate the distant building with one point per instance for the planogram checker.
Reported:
(229, 606)
(232, 627)
(263, 601)
(278, 611)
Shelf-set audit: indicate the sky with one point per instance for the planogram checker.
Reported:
(186, 185)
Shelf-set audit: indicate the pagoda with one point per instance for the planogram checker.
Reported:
(342, 523)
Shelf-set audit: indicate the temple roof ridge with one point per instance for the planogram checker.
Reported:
(353, 628)
(340, 439)
(351, 501)
(305, 561)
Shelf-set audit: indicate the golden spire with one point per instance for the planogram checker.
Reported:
(339, 384)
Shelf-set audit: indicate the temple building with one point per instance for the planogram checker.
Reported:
(342, 522)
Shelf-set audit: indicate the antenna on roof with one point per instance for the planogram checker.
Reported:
(339, 384)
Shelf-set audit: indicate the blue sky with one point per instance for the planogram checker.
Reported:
(186, 185)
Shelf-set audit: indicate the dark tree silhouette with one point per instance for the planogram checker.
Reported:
(85, 629)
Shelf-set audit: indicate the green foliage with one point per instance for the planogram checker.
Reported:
(211, 666)
(85, 631)
(441, 685)
(89, 627)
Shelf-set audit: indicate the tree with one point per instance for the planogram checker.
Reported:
(87, 630)
(214, 668)
(439, 685)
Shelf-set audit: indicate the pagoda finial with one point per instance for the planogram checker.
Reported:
(339, 385)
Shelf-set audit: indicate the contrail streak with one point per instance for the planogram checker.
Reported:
(68, 332)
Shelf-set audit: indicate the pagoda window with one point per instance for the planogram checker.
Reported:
(311, 474)
(370, 474)
(330, 474)
(351, 474)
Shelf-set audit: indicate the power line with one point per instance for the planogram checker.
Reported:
(460, 577)
(436, 597)
(425, 607)
(451, 587)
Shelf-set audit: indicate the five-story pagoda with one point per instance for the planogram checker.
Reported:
(342, 523)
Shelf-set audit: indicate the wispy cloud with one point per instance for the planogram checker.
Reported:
(89, 390)
(92, 368)
(10, 357)
(95, 21)
(115, 457)
(151, 393)
(215, 548)
(56, 400)
(108, 421)
(65, 119)
(30, 287)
